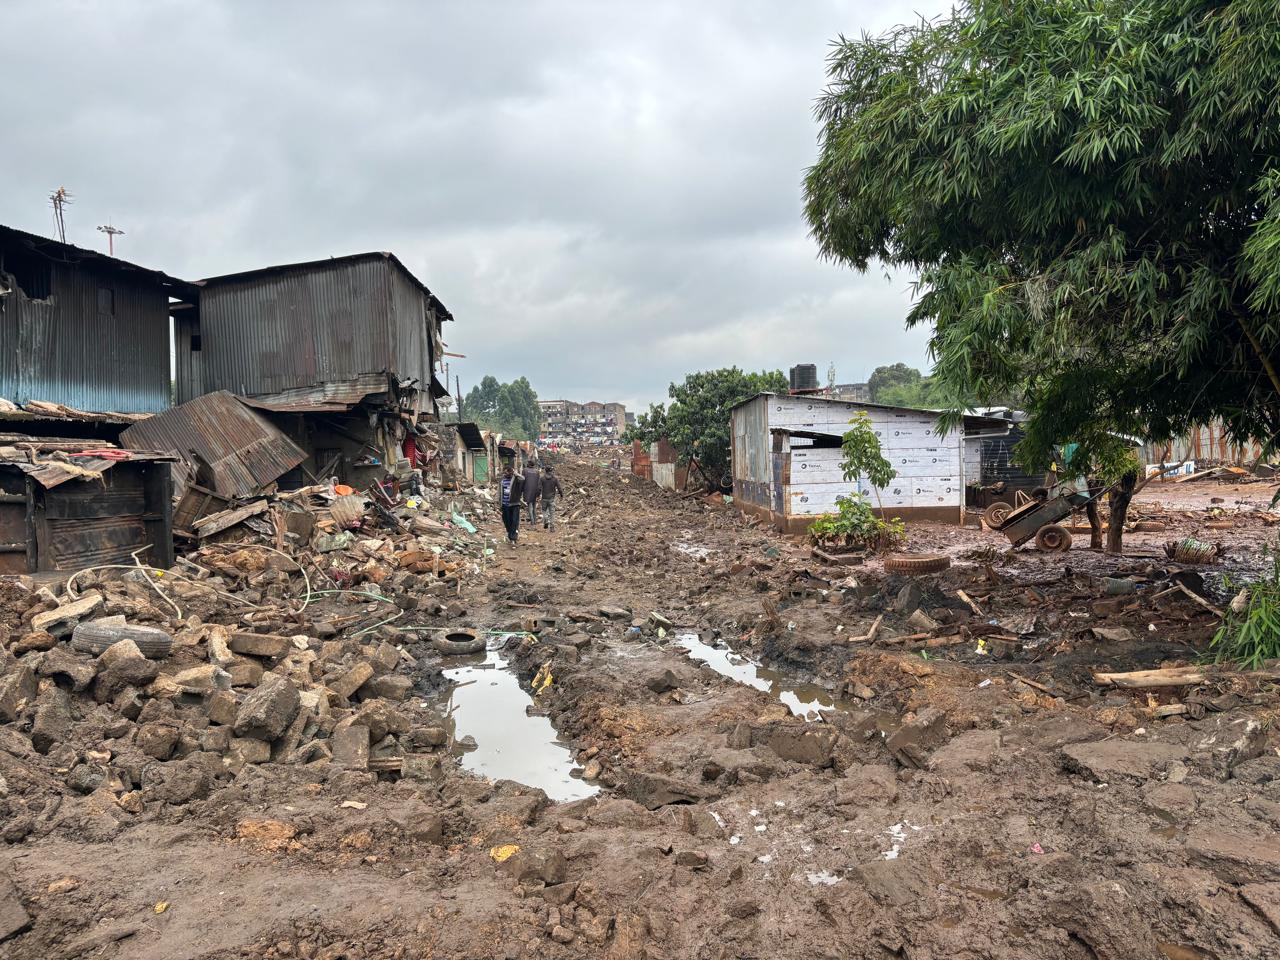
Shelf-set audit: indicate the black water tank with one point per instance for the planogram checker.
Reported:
(804, 376)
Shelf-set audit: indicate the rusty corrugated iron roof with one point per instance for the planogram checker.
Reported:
(51, 469)
(243, 451)
(329, 397)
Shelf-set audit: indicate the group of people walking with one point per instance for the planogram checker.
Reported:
(521, 490)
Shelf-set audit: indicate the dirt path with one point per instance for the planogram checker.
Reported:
(930, 806)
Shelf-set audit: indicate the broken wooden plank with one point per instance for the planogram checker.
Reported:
(225, 519)
(871, 633)
(1163, 677)
(970, 602)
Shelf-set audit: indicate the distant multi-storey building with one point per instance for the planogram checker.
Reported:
(565, 422)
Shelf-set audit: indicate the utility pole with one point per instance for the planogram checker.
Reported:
(60, 198)
(457, 381)
(112, 233)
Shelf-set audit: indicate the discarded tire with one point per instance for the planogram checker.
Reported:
(916, 563)
(458, 643)
(94, 637)
(1053, 539)
(996, 514)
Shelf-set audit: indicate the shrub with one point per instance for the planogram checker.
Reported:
(1250, 632)
(855, 525)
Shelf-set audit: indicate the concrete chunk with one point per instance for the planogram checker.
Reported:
(267, 712)
(351, 747)
(17, 688)
(352, 680)
(61, 621)
(260, 644)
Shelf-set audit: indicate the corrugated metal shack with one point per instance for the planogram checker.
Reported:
(301, 325)
(340, 354)
(787, 459)
(83, 329)
(61, 509)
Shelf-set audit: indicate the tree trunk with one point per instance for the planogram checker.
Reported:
(1118, 500)
(1095, 525)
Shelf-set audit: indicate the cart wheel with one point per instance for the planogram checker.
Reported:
(996, 514)
(1053, 538)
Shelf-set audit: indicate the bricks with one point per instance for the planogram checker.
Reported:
(260, 644)
(389, 686)
(352, 680)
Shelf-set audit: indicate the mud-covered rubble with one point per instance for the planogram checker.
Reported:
(797, 793)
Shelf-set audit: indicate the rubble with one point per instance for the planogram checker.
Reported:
(769, 726)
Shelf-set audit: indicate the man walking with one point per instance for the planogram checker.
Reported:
(532, 486)
(550, 489)
(512, 488)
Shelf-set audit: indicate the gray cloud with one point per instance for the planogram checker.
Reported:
(606, 195)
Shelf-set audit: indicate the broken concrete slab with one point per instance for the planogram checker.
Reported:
(62, 620)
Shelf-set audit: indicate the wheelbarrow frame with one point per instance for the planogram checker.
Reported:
(1024, 522)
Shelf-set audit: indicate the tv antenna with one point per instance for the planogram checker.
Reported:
(112, 233)
(60, 198)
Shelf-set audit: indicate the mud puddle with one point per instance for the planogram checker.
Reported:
(802, 699)
(488, 706)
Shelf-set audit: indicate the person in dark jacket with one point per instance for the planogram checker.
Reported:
(511, 487)
(549, 489)
(532, 486)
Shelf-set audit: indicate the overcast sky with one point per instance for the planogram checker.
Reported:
(606, 195)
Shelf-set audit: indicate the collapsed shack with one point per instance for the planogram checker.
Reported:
(66, 505)
(227, 449)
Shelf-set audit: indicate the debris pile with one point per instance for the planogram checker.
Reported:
(132, 687)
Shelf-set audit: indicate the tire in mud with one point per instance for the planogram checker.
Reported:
(94, 637)
(996, 514)
(1053, 538)
(459, 643)
(915, 564)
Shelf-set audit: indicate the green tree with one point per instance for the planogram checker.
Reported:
(649, 427)
(1089, 191)
(696, 421)
(507, 408)
(896, 376)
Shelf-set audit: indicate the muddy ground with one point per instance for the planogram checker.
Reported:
(737, 775)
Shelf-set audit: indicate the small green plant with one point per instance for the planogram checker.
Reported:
(856, 526)
(1250, 632)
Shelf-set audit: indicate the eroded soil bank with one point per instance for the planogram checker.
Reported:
(749, 781)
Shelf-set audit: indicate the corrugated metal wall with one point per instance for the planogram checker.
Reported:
(1207, 445)
(63, 350)
(313, 324)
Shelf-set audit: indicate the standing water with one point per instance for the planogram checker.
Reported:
(488, 704)
(802, 699)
